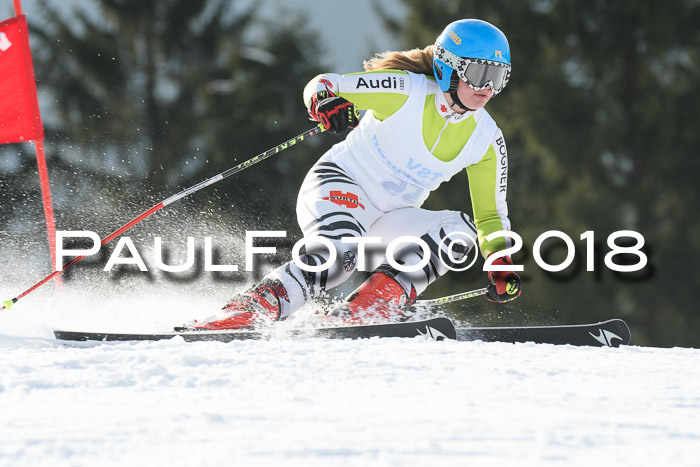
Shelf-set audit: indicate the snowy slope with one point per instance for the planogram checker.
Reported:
(317, 402)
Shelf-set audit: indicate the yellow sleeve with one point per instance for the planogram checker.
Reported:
(384, 91)
(488, 181)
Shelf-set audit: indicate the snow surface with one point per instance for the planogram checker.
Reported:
(324, 402)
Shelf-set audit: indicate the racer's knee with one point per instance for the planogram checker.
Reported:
(452, 238)
(445, 247)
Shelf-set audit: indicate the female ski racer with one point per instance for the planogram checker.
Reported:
(425, 122)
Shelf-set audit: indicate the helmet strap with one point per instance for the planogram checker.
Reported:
(458, 103)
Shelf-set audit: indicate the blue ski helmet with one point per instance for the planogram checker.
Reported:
(475, 51)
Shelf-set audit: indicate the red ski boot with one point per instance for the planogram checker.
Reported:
(377, 300)
(257, 305)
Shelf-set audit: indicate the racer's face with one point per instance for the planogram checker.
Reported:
(473, 99)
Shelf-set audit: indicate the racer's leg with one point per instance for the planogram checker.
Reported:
(330, 205)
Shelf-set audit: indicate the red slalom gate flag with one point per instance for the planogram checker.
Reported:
(19, 110)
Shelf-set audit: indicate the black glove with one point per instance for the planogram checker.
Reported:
(337, 114)
(505, 285)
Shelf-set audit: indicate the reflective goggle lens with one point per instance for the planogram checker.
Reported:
(480, 75)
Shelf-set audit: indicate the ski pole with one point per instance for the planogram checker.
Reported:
(453, 298)
(210, 181)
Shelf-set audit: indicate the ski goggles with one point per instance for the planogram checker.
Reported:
(477, 73)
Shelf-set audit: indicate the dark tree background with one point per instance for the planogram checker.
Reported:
(599, 117)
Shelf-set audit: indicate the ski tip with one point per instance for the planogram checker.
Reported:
(624, 335)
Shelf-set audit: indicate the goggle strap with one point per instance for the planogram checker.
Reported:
(454, 61)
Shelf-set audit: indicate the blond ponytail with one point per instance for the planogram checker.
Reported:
(418, 61)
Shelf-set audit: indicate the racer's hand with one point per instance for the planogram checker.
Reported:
(505, 285)
(337, 114)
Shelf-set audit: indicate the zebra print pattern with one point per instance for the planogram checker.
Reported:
(440, 244)
(323, 173)
(337, 223)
